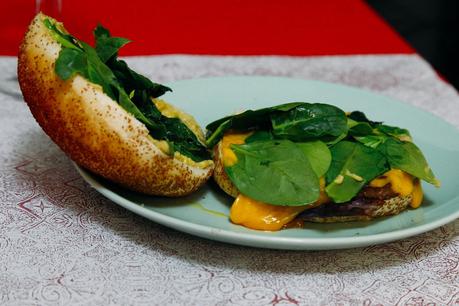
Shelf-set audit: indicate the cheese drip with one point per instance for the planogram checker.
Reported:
(401, 183)
(229, 158)
(417, 194)
(261, 216)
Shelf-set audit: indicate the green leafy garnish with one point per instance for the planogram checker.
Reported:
(259, 136)
(131, 80)
(101, 66)
(372, 141)
(309, 121)
(361, 117)
(71, 62)
(66, 40)
(250, 119)
(318, 154)
(406, 156)
(353, 166)
(359, 128)
(86, 63)
(179, 137)
(365, 127)
(349, 150)
(275, 172)
(107, 46)
(396, 132)
(297, 121)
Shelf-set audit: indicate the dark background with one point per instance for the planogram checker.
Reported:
(431, 27)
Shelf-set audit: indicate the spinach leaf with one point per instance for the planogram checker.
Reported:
(177, 134)
(213, 138)
(353, 166)
(331, 140)
(249, 115)
(372, 141)
(101, 32)
(399, 133)
(66, 40)
(70, 62)
(250, 119)
(107, 46)
(86, 63)
(373, 133)
(179, 137)
(309, 121)
(259, 136)
(126, 103)
(99, 73)
(132, 80)
(361, 117)
(183, 140)
(275, 172)
(359, 128)
(318, 154)
(406, 156)
(297, 121)
(101, 67)
(360, 125)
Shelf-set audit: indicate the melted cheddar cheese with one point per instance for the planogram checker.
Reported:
(229, 158)
(262, 216)
(401, 183)
(417, 194)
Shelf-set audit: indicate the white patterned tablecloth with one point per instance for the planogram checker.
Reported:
(62, 243)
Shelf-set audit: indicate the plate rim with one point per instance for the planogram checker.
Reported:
(274, 242)
(248, 239)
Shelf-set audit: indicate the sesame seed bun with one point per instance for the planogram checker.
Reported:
(94, 131)
(221, 178)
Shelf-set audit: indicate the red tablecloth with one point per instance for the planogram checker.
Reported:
(238, 27)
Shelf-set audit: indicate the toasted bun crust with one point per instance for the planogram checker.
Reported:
(391, 206)
(94, 130)
(220, 176)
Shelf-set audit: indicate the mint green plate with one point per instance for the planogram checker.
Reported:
(205, 213)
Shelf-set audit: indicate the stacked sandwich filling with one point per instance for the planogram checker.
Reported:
(313, 162)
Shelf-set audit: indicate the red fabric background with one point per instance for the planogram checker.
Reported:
(238, 27)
